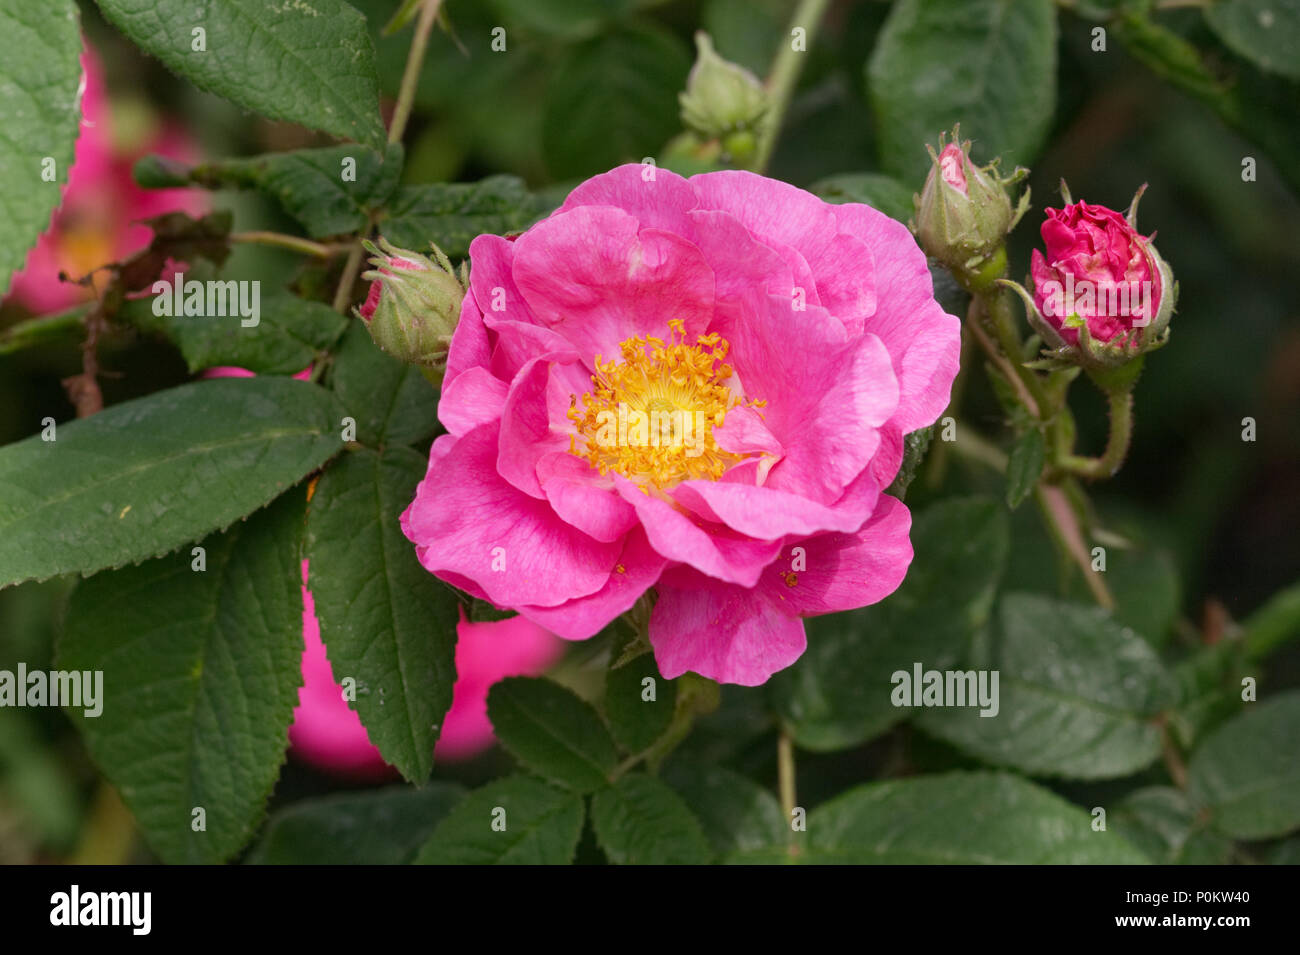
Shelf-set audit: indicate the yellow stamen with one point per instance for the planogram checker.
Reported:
(650, 417)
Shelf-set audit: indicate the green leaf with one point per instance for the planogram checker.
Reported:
(989, 64)
(552, 731)
(738, 815)
(310, 184)
(1266, 32)
(392, 403)
(1161, 822)
(200, 678)
(961, 818)
(306, 62)
(635, 721)
(1078, 694)
(1025, 466)
(883, 193)
(386, 622)
(290, 333)
(379, 827)
(1209, 690)
(146, 476)
(838, 694)
(613, 100)
(916, 444)
(1247, 774)
(640, 821)
(40, 73)
(513, 821)
(453, 214)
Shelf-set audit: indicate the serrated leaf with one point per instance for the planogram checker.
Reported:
(513, 821)
(290, 333)
(552, 731)
(1247, 773)
(883, 193)
(386, 622)
(453, 214)
(40, 76)
(635, 721)
(613, 100)
(1078, 694)
(737, 814)
(1025, 466)
(392, 402)
(988, 64)
(1266, 32)
(379, 827)
(838, 694)
(309, 62)
(640, 821)
(961, 818)
(310, 185)
(200, 678)
(1161, 822)
(142, 478)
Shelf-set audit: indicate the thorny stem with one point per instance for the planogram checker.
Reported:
(411, 77)
(1006, 364)
(785, 74)
(997, 305)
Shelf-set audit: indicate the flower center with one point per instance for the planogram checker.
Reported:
(651, 416)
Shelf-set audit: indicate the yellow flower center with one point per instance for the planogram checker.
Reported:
(651, 416)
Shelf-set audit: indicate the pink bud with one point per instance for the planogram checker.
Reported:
(367, 310)
(950, 163)
(1099, 272)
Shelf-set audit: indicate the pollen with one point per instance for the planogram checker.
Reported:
(650, 416)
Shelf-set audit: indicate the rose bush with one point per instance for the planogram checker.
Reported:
(804, 336)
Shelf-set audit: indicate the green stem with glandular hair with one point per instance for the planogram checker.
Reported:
(1117, 444)
(785, 74)
(411, 76)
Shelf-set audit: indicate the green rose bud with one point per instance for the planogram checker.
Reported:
(413, 304)
(964, 213)
(721, 98)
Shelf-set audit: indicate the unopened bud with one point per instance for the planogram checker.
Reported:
(964, 213)
(413, 304)
(721, 98)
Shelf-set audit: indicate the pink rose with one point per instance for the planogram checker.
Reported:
(97, 221)
(784, 346)
(1098, 270)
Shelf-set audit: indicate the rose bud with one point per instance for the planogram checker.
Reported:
(413, 304)
(964, 213)
(1102, 293)
(722, 100)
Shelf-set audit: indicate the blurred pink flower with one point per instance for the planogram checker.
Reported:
(327, 733)
(97, 219)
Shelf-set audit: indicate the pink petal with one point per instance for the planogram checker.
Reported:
(923, 339)
(466, 524)
(843, 571)
(472, 398)
(583, 498)
(659, 203)
(714, 550)
(586, 616)
(722, 632)
(589, 275)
